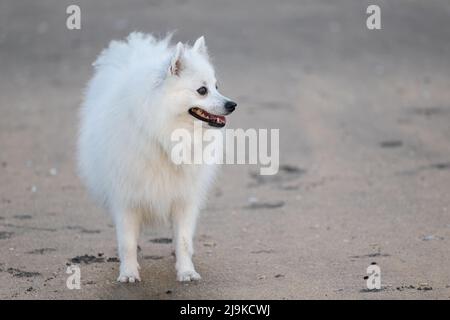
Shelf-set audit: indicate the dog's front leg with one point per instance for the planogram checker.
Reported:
(128, 229)
(184, 219)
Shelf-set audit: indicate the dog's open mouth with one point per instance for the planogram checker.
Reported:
(212, 119)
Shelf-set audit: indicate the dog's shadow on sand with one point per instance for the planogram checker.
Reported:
(158, 282)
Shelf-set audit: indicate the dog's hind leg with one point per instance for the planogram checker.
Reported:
(128, 230)
(184, 219)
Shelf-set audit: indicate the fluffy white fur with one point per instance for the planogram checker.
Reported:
(141, 91)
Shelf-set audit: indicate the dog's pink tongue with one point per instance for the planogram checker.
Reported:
(220, 119)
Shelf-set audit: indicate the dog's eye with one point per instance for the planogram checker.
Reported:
(217, 87)
(202, 91)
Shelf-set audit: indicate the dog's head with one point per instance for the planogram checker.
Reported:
(192, 85)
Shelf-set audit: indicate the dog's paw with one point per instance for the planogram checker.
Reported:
(188, 275)
(129, 275)
(128, 278)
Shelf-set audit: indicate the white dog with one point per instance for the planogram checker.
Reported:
(143, 89)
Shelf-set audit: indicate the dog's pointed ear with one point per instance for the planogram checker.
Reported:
(200, 46)
(176, 63)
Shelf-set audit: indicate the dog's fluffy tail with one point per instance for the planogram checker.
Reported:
(139, 54)
(137, 47)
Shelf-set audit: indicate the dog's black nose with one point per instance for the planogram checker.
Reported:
(230, 106)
